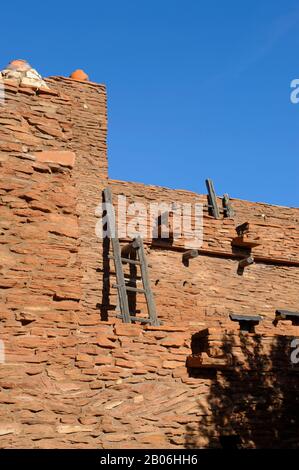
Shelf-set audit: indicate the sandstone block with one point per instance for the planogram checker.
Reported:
(9, 428)
(69, 428)
(62, 157)
(127, 330)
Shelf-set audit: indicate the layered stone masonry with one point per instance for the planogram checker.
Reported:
(211, 285)
(21, 72)
(124, 386)
(276, 227)
(74, 375)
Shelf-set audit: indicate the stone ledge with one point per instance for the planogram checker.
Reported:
(62, 157)
(55, 78)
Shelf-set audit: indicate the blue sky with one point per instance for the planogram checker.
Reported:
(196, 88)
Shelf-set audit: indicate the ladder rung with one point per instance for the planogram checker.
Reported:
(142, 320)
(131, 289)
(126, 260)
(135, 289)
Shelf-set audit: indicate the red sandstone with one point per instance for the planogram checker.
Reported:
(74, 374)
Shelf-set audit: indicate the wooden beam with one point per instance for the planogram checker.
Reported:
(246, 322)
(131, 289)
(246, 242)
(250, 318)
(217, 253)
(287, 315)
(228, 210)
(243, 263)
(212, 199)
(190, 254)
(242, 228)
(126, 260)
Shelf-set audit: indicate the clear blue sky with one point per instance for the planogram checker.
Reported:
(196, 88)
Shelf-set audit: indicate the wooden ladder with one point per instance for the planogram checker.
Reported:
(121, 256)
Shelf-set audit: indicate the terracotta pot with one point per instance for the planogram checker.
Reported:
(79, 75)
(19, 64)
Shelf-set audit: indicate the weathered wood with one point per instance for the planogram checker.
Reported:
(286, 315)
(146, 284)
(131, 289)
(249, 318)
(209, 206)
(126, 260)
(122, 256)
(129, 249)
(246, 237)
(228, 210)
(243, 228)
(246, 262)
(120, 278)
(246, 322)
(212, 199)
(135, 289)
(190, 254)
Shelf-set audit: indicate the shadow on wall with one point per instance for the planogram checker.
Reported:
(105, 306)
(255, 405)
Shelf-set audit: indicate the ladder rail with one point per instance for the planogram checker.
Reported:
(120, 278)
(151, 306)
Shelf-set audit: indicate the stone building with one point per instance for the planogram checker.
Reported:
(220, 368)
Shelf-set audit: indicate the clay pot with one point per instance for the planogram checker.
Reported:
(79, 75)
(19, 64)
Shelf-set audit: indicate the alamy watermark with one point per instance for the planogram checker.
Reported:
(295, 353)
(2, 92)
(294, 96)
(2, 352)
(170, 221)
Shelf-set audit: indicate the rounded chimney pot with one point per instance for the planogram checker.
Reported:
(79, 75)
(19, 64)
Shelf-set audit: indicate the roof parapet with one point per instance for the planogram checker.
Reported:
(21, 71)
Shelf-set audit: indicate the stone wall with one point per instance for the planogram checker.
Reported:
(210, 286)
(89, 129)
(67, 116)
(74, 375)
